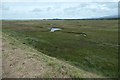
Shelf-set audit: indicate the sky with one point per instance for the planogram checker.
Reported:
(63, 9)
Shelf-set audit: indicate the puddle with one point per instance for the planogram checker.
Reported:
(55, 29)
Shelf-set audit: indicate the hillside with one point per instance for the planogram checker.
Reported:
(22, 61)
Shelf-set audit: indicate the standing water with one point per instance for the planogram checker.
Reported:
(55, 29)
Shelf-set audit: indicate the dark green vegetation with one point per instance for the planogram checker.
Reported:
(97, 52)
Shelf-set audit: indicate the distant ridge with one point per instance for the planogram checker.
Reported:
(99, 18)
(110, 17)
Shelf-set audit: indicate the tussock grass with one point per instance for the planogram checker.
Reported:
(96, 53)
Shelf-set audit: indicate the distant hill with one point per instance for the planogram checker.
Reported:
(110, 17)
(97, 18)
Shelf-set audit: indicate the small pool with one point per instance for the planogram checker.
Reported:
(55, 29)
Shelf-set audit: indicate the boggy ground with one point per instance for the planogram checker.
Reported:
(97, 52)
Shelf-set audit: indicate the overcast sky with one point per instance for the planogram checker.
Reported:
(72, 9)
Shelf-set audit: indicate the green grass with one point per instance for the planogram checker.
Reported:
(96, 53)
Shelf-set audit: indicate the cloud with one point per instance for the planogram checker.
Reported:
(60, 10)
(4, 8)
(97, 7)
(37, 10)
(91, 10)
(60, 0)
(49, 8)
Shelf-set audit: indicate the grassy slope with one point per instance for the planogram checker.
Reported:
(35, 64)
(0, 50)
(96, 53)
